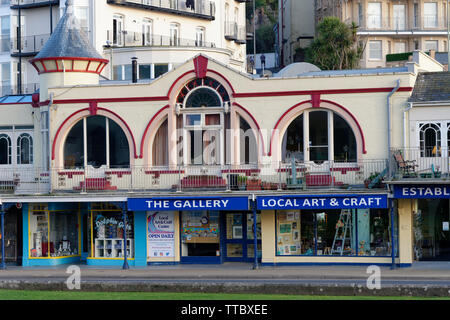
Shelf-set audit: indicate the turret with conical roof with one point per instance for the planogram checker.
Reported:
(68, 58)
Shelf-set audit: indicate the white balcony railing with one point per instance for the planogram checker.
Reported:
(420, 163)
(250, 177)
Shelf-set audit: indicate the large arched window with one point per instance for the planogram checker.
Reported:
(203, 105)
(25, 149)
(430, 139)
(319, 135)
(96, 141)
(5, 149)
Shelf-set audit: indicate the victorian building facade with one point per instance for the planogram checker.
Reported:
(161, 34)
(203, 164)
(389, 27)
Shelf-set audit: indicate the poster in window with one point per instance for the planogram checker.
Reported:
(161, 234)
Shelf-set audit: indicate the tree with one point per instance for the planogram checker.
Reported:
(336, 46)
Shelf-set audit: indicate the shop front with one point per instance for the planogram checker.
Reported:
(12, 235)
(329, 229)
(429, 209)
(52, 233)
(208, 230)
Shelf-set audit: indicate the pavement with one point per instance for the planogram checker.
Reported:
(421, 279)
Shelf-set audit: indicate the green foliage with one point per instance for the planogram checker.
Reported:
(336, 46)
(398, 56)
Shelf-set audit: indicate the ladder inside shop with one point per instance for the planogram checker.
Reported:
(344, 233)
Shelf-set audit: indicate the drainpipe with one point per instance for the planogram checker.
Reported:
(389, 123)
(409, 107)
(50, 104)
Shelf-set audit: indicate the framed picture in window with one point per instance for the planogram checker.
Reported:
(237, 232)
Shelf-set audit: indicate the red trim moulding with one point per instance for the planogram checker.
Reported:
(315, 92)
(364, 151)
(87, 109)
(148, 127)
(257, 126)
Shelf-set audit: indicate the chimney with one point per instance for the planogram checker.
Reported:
(134, 69)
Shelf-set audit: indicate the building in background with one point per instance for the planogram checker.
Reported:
(204, 164)
(296, 29)
(389, 27)
(162, 34)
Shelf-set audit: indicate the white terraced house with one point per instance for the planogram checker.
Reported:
(161, 34)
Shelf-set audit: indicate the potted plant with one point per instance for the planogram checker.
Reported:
(242, 182)
(372, 176)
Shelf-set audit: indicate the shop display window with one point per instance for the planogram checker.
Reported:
(107, 234)
(200, 233)
(64, 234)
(361, 232)
(53, 233)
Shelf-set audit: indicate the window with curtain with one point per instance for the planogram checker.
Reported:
(375, 52)
(374, 15)
(430, 14)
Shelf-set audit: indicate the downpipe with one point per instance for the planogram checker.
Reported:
(388, 105)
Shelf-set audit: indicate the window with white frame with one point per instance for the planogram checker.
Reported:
(25, 149)
(430, 14)
(374, 15)
(375, 52)
(400, 47)
(5, 149)
(147, 32)
(82, 15)
(430, 139)
(174, 34)
(200, 37)
(4, 33)
(448, 139)
(96, 141)
(399, 16)
(16, 145)
(431, 45)
(117, 31)
(203, 104)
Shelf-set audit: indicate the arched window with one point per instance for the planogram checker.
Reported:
(203, 105)
(104, 144)
(448, 138)
(329, 138)
(248, 144)
(25, 149)
(5, 149)
(430, 139)
(202, 98)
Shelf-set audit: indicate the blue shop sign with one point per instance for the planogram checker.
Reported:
(376, 201)
(188, 204)
(422, 192)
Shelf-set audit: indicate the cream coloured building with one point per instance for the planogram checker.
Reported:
(388, 27)
(203, 164)
(161, 34)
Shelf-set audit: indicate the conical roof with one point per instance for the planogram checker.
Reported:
(68, 39)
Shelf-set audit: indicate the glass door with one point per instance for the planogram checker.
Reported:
(239, 237)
